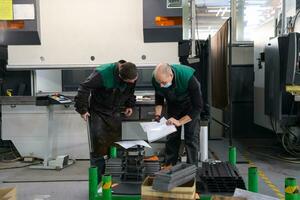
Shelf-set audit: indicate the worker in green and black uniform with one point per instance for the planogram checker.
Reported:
(100, 97)
(178, 85)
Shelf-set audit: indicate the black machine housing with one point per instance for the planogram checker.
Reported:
(282, 59)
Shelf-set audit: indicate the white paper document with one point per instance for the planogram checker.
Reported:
(251, 195)
(131, 143)
(156, 131)
(23, 11)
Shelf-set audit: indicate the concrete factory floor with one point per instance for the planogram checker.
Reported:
(75, 186)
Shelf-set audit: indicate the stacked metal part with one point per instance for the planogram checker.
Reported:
(166, 180)
(114, 168)
(151, 167)
(219, 177)
(134, 164)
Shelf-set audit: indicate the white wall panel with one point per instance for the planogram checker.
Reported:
(74, 30)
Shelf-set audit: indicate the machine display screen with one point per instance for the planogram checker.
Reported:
(144, 81)
(71, 78)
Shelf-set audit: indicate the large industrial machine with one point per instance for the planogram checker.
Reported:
(282, 89)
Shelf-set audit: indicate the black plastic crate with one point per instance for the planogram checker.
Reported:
(133, 177)
(219, 177)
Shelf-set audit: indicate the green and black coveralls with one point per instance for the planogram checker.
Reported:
(183, 97)
(102, 94)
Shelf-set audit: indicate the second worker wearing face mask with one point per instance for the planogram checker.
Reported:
(179, 87)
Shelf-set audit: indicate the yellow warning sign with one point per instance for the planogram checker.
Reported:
(106, 186)
(6, 10)
(291, 189)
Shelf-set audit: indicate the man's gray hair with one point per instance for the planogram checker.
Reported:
(163, 68)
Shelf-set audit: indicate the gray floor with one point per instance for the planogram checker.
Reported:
(75, 172)
(275, 171)
(67, 190)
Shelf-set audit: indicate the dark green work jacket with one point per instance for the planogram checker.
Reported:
(183, 97)
(108, 91)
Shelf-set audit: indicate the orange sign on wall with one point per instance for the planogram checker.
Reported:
(168, 21)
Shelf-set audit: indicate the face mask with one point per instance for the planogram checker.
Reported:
(167, 85)
(130, 84)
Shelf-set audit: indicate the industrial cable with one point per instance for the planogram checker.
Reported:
(289, 140)
(226, 126)
(15, 152)
(294, 24)
(277, 157)
(274, 128)
(16, 158)
(22, 166)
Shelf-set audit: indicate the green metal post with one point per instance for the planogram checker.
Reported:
(113, 152)
(252, 179)
(106, 187)
(232, 155)
(93, 183)
(291, 189)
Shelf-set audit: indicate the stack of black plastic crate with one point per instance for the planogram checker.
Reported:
(133, 164)
(114, 168)
(218, 177)
(151, 167)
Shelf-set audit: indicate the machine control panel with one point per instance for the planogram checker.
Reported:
(55, 98)
(59, 99)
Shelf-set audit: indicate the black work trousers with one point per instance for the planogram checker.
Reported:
(104, 131)
(191, 141)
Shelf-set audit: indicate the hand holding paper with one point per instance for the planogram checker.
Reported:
(156, 131)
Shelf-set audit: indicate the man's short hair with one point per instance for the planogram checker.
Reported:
(128, 71)
(122, 61)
